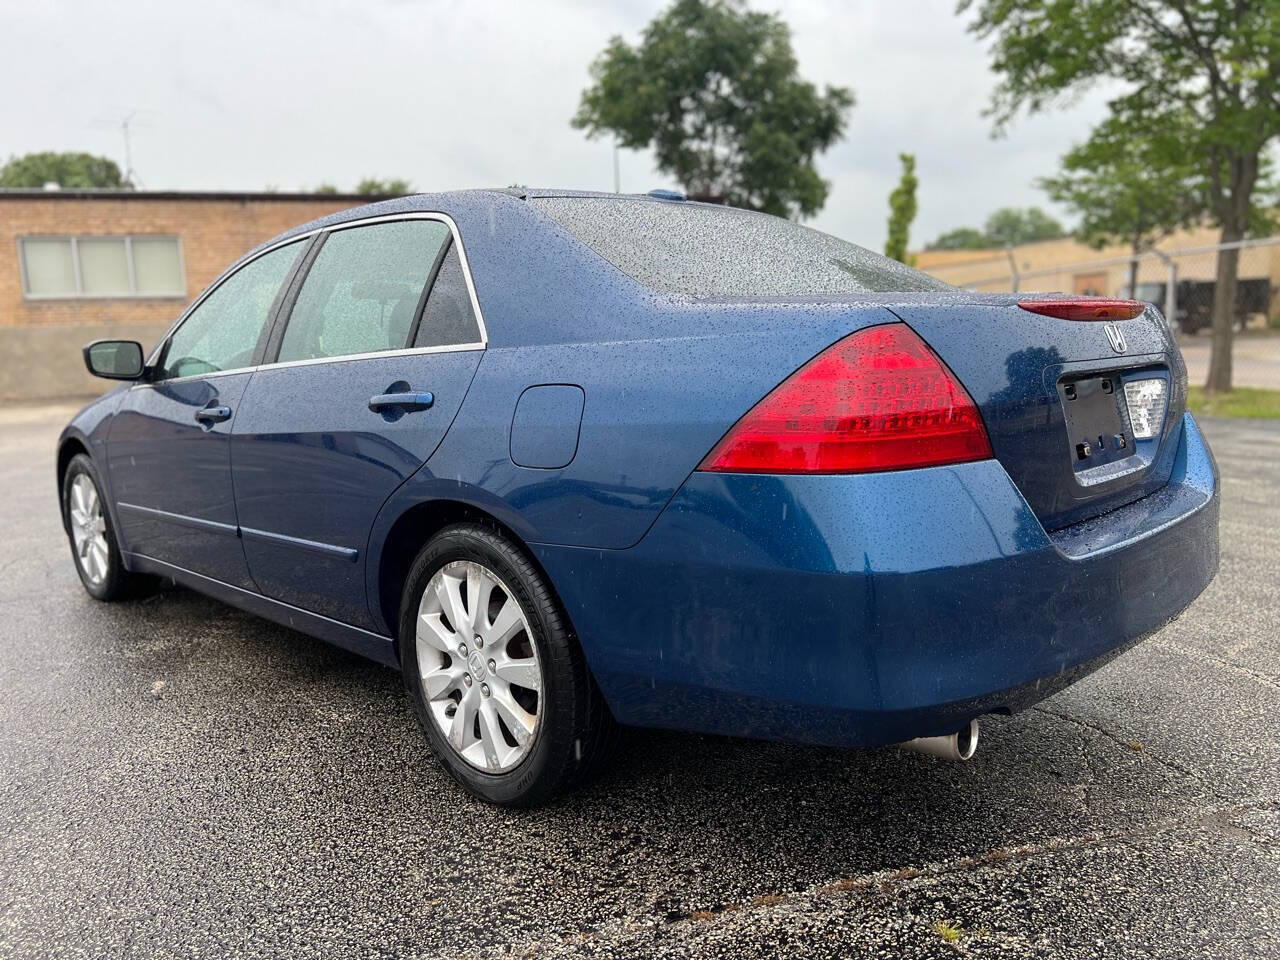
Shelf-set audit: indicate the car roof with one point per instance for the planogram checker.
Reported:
(446, 202)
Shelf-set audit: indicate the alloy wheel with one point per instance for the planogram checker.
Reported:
(478, 666)
(89, 529)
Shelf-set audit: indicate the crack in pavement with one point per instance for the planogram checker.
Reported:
(1265, 679)
(1129, 745)
(1209, 817)
(893, 880)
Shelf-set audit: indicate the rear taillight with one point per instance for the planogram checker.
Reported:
(1085, 308)
(877, 400)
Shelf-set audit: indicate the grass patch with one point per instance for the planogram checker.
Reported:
(1241, 402)
(947, 930)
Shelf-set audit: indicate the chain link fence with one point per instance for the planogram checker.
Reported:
(1180, 282)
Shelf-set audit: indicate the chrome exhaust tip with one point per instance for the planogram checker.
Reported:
(954, 746)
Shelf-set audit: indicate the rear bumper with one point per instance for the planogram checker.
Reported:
(872, 609)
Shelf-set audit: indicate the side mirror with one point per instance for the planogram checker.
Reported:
(114, 359)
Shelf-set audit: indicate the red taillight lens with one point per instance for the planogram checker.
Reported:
(1085, 308)
(877, 400)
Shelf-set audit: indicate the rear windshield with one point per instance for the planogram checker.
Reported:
(707, 251)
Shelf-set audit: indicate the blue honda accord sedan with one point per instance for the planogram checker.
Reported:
(573, 460)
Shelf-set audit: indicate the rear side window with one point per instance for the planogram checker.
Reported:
(363, 291)
(222, 332)
(448, 318)
(706, 251)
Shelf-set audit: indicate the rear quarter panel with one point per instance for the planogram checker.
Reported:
(663, 379)
(653, 408)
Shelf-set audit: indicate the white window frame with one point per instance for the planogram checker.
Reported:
(78, 293)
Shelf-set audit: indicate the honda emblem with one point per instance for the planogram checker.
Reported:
(1116, 337)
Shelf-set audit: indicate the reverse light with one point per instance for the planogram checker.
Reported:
(1146, 402)
(1085, 308)
(879, 399)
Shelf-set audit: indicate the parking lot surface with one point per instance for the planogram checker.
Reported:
(181, 779)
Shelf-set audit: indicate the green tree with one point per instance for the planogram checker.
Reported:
(1131, 186)
(1216, 60)
(82, 170)
(1010, 226)
(902, 211)
(325, 188)
(961, 238)
(714, 88)
(375, 187)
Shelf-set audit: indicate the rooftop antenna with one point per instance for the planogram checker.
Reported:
(130, 175)
(133, 117)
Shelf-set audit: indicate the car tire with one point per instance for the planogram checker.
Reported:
(94, 547)
(464, 693)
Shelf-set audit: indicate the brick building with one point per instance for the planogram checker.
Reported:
(78, 265)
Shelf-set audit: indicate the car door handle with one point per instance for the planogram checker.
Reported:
(211, 415)
(403, 401)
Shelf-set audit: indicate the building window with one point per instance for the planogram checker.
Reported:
(59, 267)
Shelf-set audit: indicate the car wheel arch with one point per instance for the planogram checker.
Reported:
(406, 538)
(67, 450)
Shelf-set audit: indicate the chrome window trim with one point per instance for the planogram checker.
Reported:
(193, 376)
(444, 218)
(78, 293)
(402, 352)
(406, 352)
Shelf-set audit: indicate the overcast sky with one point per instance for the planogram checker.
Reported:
(231, 94)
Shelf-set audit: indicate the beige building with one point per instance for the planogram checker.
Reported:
(1072, 267)
(79, 265)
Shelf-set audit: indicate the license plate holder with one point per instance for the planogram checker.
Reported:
(1098, 431)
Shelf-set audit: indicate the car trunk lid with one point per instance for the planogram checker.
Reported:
(1052, 393)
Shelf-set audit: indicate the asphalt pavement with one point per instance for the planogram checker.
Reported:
(179, 779)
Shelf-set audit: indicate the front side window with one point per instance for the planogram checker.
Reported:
(128, 266)
(363, 291)
(222, 332)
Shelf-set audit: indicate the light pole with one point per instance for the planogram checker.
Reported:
(1170, 290)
